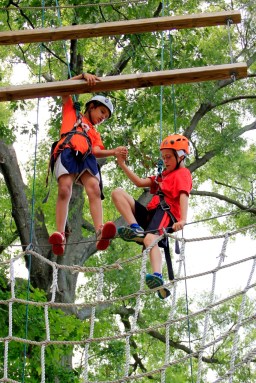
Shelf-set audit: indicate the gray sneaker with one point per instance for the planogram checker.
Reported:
(153, 281)
(130, 234)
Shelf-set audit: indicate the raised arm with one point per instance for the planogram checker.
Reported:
(89, 78)
(136, 180)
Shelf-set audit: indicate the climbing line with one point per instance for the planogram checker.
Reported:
(32, 218)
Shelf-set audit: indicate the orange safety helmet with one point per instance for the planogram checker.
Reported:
(176, 142)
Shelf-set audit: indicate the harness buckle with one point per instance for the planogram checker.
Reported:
(164, 205)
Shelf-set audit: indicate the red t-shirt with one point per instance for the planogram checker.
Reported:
(78, 142)
(172, 185)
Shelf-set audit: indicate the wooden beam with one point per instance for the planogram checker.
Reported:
(108, 83)
(119, 27)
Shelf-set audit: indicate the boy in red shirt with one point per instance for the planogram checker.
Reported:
(75, 161)
(167, 208)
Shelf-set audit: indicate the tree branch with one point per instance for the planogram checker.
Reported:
(224, 198)
(123, 311)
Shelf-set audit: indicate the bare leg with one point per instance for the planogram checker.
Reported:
(125, 204)
(155, 254)
(91, 185)
(65, 183)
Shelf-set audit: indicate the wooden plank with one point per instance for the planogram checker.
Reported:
(119, 27)
(108, 83)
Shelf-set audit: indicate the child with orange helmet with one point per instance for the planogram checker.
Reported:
(167, 209)
(75, 161)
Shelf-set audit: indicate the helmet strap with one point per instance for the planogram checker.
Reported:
(177, 160)
(89, 114)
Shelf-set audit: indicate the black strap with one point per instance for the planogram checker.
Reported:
(70, 134)
(61, 147)
(165, 243)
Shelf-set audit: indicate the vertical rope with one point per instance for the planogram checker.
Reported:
(43, 364)
(207, 316)
(54, 285)
(172, 310)
(48, 338)
(238, 325)
(65, 50)
(32, 204)
(6, 343)
(172, 86)
(137, 307)
(92, 324)
(161, 88)
(188, 321)
(229, 23)
(160, 161)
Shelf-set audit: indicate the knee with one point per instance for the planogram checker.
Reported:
(93, 190)
(116, 193)
(64, 191)
(149, 239)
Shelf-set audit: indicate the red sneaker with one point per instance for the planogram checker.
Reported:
(58, 241)
(105, 234)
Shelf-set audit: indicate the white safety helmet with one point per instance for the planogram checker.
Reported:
(104, 101)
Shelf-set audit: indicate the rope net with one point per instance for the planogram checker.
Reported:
(131, 337)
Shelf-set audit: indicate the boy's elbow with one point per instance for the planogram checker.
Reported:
(139, 183)
(96, 151)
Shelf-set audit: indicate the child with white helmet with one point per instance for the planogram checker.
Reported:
(166, 210)
(75, 161)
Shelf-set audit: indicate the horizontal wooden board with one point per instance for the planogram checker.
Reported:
(139, 80)
(119, 27)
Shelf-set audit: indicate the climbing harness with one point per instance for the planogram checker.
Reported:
(164, 243)
(66, 143)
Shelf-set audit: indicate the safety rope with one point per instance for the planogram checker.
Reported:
(76, 104)
(229, 23)
(211, 300)
(32, 219)
(92, 325)
(160, 161)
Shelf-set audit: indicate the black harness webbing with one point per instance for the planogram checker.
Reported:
(66, 143)
(164, 243)
(70, 134)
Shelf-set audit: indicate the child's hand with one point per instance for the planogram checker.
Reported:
(90, 78)
(178, 225)
(120, 160)
(121, 152)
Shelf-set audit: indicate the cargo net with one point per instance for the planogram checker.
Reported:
(198, 334)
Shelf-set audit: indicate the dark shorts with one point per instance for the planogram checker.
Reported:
(68, 162)
(153, 220)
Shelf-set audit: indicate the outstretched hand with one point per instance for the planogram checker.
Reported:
(121, 154)
(121, 151)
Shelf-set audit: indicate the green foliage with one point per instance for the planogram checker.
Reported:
(29, 323)
(141, 119)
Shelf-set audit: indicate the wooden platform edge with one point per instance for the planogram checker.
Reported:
(129, 81)
(119, 27)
